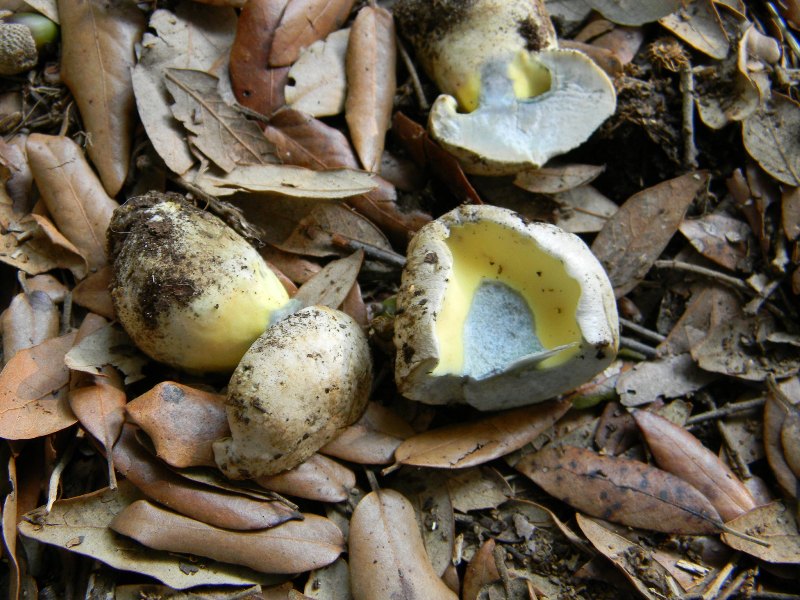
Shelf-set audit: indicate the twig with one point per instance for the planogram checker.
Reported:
(55, 476)
(424, 105)
(687, 110)
(649, 334)
(638, 346)
(373, 252)
(679, 265)
(787, 35)
(716, 584)
(728, 409)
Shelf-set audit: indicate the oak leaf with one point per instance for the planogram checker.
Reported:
(317, 81)
(318, 478)
(302, 23)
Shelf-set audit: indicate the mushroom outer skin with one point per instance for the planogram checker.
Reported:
(522, 99)
(17, 49)
(306, 378)
(526, 380)
(189, 290)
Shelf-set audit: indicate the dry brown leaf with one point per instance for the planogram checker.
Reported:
(218, 131)
(292, 547)
(634, 12)
(194, 500)
(97, 55)
(81, 525)
(302, 23)
(109, 345)
(790, 213)
(470, 444)
(552, 180)
(329, 583)
(678, 452)
(317, 81)
(318, 478)
(93, 293)
(773, 523)
(387, 556)
(771, 137)
(616, 430)
(9, 529)
(477, 488)
(621, 490)
(663, 378)
(193, 37)
(583, 210)
(775, 413)
(480, 571)
(74, 196)
(331, 285)
(256, 85)
(182, 422)
(629, 557)
(33, 388)
(29, 320)
(371, 83)
(642, 227)
(373, 439)
(721, 239)
(699, 25)
(623, 43)
(790, 440)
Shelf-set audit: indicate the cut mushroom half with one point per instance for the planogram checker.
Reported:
(497, 311)
(511, 99)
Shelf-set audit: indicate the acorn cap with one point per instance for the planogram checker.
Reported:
(497, 311)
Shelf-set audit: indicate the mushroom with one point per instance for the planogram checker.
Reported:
(21, 37)
(498, 311)
(304, 380)
(522, 100)
(188, 289)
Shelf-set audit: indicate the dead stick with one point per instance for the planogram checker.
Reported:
(687, 89)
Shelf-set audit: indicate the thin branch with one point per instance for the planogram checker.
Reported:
(649, 334)
(727, 410)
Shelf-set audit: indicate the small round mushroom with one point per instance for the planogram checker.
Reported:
(306, 378)
(497, 311)
(188, 289)
(511, 99)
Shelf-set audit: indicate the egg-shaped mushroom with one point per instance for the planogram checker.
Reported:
(189, 290)
(304, 380)
(497, 311)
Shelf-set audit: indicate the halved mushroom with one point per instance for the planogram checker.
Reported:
(522, 99)
(497, 311)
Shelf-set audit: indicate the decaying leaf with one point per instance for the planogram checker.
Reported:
(302, 23)
(33, 245)
(480, 571)
(72, 193)
(317, 81)
(583, 209)
(194, 500)
(774, 523)
(621, 490)
(371, 58)
(331, 285)
(318, 478)
(635, 561)
(477, 488)
(662, 378)
(552, 180)
(93, 293)
(218, 131)
(470, 444)
(790, 440)
(194, 37)
(771, 137)
(292, 547)
(373, 439)
(722, 239)
(387, 556)
(28, 321)
(642, 227)
(634, 12)
(81, 525)
(678, 452)
(183, 422)
(329, 583)
(109, 345)
(97, 56)
(33, 388)
(698, 24)
(775, 414)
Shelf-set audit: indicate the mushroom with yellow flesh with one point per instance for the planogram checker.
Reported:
(498, 311)
(189, 290)
(511, 98)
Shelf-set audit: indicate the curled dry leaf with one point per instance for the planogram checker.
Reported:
(773, 523)
(642, 227)
(317, 81)
(92, 293)
(330, 286)
(552, 180)
(28, 321)
(72, 193)
(771, 137)
(775, 414)
(302, 23)
(183, 422)
(583, 209)
(652, 581)
(470, 444)
(109, 345)
(318, 478)
(373, 439)
(97, 55)
(721, 239)
(292, 547)
(480, 571)
(371, 83)
(194, 37)
(790, 440)
(699, 25)
(255, 84)
(621, 490)
(33, 388)
(634, 12)
(678, 452)
(194, 500)
(387, 557)
(81, 525)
